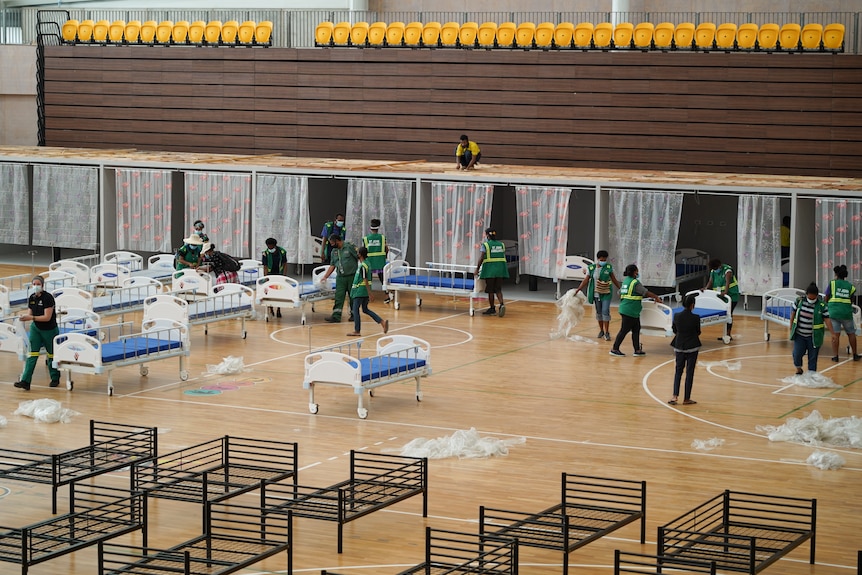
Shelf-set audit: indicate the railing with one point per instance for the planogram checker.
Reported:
(295, 28)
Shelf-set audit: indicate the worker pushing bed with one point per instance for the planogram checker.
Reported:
(223, 302)
(285, 292)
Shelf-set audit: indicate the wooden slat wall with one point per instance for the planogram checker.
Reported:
(795, 114)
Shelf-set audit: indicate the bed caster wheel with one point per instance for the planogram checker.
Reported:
(102, 335)
(302, 321)
(518, 280)
(144, 370)
(184, 375)
(312, 308)
(110, 391)
(766, 337)
(244, 334)
(70, 385)
(312, 407)
(472, 312)
(419, 396)
(678, 297)
(370, 393)
(363, 413)
(726, 339)
(418, 301)
(397, 305)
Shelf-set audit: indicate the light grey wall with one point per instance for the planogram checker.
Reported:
(609, 5)
(18, 117)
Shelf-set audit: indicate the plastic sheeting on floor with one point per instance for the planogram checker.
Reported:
(810, 379)
(46, 411)
(461, 444)
(571, 312)
(825, 460)
(707, 444)
(815, 430)
(229, 365)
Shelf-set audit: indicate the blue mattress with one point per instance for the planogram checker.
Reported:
(686, 269)
(433, 282)
(154, 273)
(702, 312)
(782, 311)
(203, 310)
(136, 347)
(120, 301)
(380, 367)
(311, 288)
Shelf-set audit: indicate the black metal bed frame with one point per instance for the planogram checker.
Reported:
(641, 564)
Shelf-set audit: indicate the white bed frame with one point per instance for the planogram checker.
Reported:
(14, 339)
(401, 268)
(17, 287)
(341, 366)
(787, 297)
(130, 260)
(657, 317)
(192, 280)
(286, 292)
(576, 270)
(135, 288)
(224, 302)
(109, 275)
(80, 353)
(693, 257)
(80, 271)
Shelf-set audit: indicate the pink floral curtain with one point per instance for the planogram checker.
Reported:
(838, 233)
(143, 210)
(543, 215)
(460, 212)
(222, 202)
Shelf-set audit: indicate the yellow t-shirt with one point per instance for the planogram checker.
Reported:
(472, 146)
(785, 236)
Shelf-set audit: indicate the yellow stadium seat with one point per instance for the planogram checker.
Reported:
(449, 34)
(413, 34)
(506, 34)
(431, 34)
(377, 34)
(263, 33)
(322, 34)
(164, 31)
(603, 35)
(467, 34)
(525, 35)
(486, 36)
(100, 31)
(212, 32)
(683, 36)
(148, 31)
(359, 34)
(788, 37)
(196, 31)
(180, 32)
(623, 33)
(229, 32)
(341, 34)
(812, 36)
(246, 32)
(132, 33)
(583, 35)
(564, 33)
(544, 35)
(85, 31)
(767, 36)
(395, 34)
(663, 36)
(116, 31)
(833, 37)
(70, 30)
(643, 34)
(704, 36)
(746, 36)
(725, 36)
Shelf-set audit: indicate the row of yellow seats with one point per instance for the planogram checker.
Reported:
(585, 36)
(167, 32)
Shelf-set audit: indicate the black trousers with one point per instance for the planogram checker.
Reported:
(685, 360)
(629, 324)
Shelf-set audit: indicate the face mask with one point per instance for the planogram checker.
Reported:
(271, 250)
(198, 232)
(812, 300)
(37, 289)
(340, 224)
(601, 263)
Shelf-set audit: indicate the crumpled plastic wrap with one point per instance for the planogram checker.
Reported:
(707, 444)
(229, 365)
(731, 365)
(825, 460)
(811, 379)
(571, 312)
(46, 411)
(461, 444)
(2, 421)
(815, 430)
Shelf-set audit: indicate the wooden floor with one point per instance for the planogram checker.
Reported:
(580, 410)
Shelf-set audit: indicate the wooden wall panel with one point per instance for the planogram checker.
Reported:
(750, 113)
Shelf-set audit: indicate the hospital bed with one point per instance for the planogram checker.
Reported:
(159, 267)
(441, 279)
(130, 260)
(398, 358)
(109, 275)
(14, 336)
(224, 302)
(286, 292)
(691, 264)
(157, 340)
(710, 306)
(127, 298)
(192, 280)
(15, 290)
(513, 257)
(575, 270)
(79, 270)
(778, 307)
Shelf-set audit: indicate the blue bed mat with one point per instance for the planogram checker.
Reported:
(203, 310)
(122, 302)
(686, 269)
(136, 347)
(434, 282)
(782, 311)
(311, 288)
(702, 312)
(380, 367)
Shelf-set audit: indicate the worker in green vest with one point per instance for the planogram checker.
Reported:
(598, 283)
(722, 280)
(492, 268)
(334, 226)
(808, 322)
(839, 301)
(632, 292)
(378, 249)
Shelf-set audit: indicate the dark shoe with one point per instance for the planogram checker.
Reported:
(856, 357)
(278, 313)
(22, 385)
(671, 402)
(639, 353)
(689, 402)
(271, 311)
(798, 371)
(55, 382)
(387, 300)
(607, 337)
(835, 359)
(617, 353)
(385, 324)
(502, 311)
(350, 318)
(490, 311)
(354, 334)
(331, 319)
(601, 334)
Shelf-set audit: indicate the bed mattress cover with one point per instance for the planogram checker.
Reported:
(433, 282)
(379, 367)
(136, 347)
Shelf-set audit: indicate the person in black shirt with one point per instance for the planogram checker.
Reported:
(42, 332)
(686, 344)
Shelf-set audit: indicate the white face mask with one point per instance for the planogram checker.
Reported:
(601, 263)
(37, 288)
(340, 224)
(812, 300)
(271, 250)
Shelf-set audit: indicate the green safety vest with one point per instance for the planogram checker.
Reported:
(840, 305)
(819, 327)
(604, 275)
(631, 303)
(718, 279)
(494, 265)
(358, 288)
(376, 246)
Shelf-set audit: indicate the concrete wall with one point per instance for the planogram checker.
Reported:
(616, 5)
(18, 117)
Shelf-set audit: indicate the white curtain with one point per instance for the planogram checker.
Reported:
(644, 227)
(143, 210)
(758, 244)
(388, 200)
(221, 201)
(460, 213)
(837, 232)
(543, 215)
(66, 207)
(281, 212)
(14, 205)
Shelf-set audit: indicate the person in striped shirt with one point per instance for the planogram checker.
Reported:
(808, 323)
